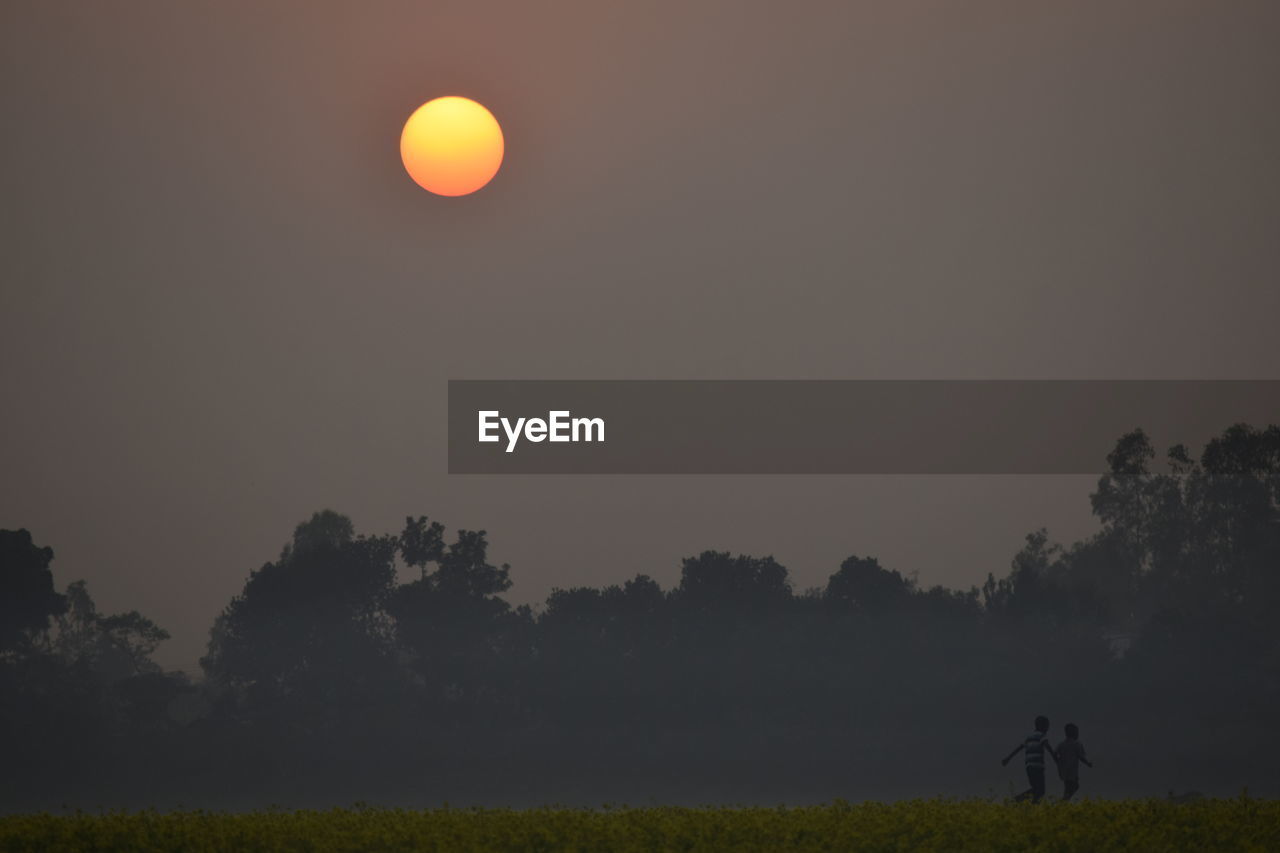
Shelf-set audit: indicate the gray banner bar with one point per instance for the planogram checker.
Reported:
(832, 427)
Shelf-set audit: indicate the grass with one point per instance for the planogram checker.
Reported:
(1240, 824)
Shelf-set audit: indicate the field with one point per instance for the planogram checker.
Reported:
(1206, 825)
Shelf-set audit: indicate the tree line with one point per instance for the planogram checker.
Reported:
(329, 679)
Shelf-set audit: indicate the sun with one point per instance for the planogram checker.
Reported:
(451, 146)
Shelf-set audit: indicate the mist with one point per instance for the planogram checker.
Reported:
(389, 668)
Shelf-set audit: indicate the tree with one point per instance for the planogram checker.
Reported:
(27, 596)
(112, 647)
(310, 629)
(715, 580)
(452, 622)
(1197, 539)
(614, 626)
(863, 584)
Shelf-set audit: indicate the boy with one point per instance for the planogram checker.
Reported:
(1070, 756)
(1034, 745)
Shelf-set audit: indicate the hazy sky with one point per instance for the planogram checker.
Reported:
(225, 306)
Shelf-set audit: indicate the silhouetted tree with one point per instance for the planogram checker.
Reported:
(327, 672)
(863, 584)
(451, 622)
(714, 580)
(113, 647)
(310, 629)
(27, 597)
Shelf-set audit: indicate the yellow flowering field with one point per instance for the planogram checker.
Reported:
(922, 825)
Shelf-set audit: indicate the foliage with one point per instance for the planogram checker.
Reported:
(27, 597)
(359, 664)
(310, 627)
(1240, 824)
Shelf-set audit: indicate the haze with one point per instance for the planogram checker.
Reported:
(226, 306)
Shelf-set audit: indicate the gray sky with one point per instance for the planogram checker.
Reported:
(225, 306)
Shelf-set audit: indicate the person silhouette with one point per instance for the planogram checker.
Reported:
(1070, 756)
(1034, 745)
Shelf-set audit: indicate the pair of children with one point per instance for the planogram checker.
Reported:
(1068, 756)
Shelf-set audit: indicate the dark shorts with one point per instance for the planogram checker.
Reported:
(1035, 775)
(1069, 787)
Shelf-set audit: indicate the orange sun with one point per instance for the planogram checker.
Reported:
(451, 146)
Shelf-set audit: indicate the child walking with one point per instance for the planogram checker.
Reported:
(1034, 745)
(1070, 757)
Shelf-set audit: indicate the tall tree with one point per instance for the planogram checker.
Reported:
(27, 596)
(862, 583)
(310, 629)
(716, 580)
(452, 622)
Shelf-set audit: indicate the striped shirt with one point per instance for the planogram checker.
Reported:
(1034, 746)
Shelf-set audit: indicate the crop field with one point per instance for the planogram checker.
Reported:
(1206, 825)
